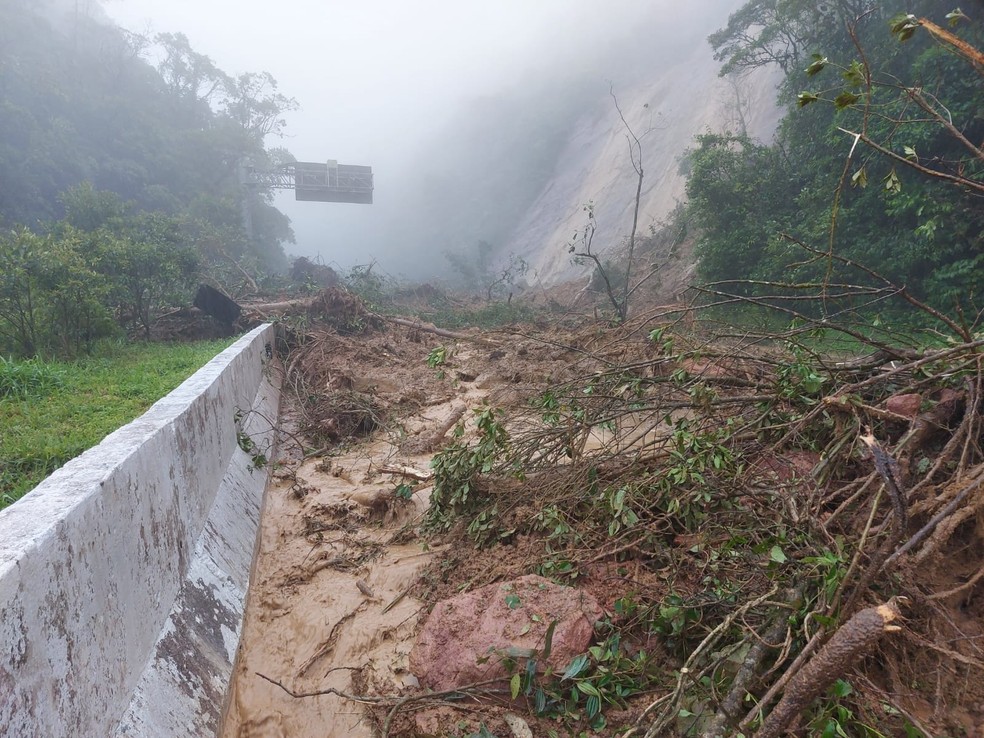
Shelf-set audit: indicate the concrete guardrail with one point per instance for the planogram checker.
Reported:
(123, 576)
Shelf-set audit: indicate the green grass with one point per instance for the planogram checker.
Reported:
(52, 412)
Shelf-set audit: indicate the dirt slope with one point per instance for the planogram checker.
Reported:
(673, 105)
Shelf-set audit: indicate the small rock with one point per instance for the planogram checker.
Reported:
(906, 405)
(519, 727)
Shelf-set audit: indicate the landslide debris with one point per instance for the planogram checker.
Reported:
(738, 504)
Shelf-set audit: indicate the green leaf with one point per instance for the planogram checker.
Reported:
(805, 98)
(904, 25)
(684, 713)
(593, 706)
(860, 178)
(845, 100)
(548, 638)
(910, 153)
(576, 666)
(955, 16)
(530, 674)
(854, 74)
(619, 501)
(819, 62)
(825, 620)
(514, 684)
(777, 555)
(512, 601)
(841, 688)
(589, 689)
(484, 732)
(892, 182)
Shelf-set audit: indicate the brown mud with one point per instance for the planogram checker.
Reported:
(338, 552)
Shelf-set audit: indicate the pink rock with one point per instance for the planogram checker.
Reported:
(466, 637)
(791, 466)
(905, 405)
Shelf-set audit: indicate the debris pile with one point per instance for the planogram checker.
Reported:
(777, 532)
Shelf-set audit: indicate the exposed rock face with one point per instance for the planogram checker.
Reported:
(683, 98)
(465, 638)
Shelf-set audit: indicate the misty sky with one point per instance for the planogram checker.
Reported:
(377, 79)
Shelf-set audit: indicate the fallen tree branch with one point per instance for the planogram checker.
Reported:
(329, 644)
(407, 471)
(396, 701)
(431, 328)
(669, 710)
(728, 710)
(327, 690)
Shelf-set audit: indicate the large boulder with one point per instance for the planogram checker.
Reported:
(466, 638)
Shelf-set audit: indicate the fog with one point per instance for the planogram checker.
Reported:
(441, 98)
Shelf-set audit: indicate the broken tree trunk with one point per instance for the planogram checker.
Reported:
(431, 328)
(853, 640)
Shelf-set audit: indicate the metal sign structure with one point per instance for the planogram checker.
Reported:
(316, 181)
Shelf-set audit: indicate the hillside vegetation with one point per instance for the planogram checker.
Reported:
(874, 185)
(120, 177)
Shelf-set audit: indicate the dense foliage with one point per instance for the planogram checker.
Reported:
(877, 160)
(119, 174)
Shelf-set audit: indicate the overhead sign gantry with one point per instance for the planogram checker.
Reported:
(316, 181)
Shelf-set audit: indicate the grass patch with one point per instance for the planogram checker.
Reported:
(24, 379)
(52, 412)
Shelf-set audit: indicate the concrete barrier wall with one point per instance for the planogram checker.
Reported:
(123, 576)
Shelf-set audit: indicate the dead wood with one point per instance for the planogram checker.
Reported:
(751, 667)
(425, 443)
(852, 641)
(267, 310)
(419, 475)
(888, 470)
(328, 646)
(421, 325)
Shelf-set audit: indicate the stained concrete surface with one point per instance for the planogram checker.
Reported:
(123, 575)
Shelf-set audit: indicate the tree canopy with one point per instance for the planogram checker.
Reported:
(877, 161)
(100, 128)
